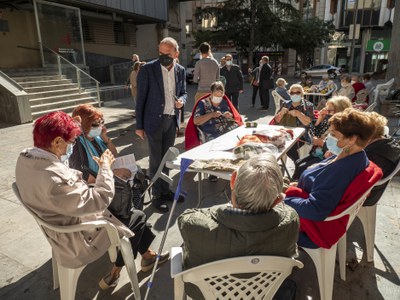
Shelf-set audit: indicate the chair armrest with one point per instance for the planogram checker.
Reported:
(176, 261)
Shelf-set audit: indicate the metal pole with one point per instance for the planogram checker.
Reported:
(353, 42)
(59, 66)
(78, 79)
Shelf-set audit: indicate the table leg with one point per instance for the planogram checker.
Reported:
(199, 188)
(286, 170)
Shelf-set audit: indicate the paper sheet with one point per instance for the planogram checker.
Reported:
(127, 162)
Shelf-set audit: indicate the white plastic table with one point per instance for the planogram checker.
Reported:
(220, 148)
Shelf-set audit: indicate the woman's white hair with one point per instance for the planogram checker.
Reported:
(170, 41)
(258, 183)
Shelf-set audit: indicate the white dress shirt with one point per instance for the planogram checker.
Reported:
(169, 89)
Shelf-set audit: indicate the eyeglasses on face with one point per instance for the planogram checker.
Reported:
(295, 93)
(98, 123)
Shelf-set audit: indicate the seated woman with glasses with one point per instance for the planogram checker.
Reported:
(212, 116)
(318, 132)
(296, 112)
(93, 142)
(321, 187)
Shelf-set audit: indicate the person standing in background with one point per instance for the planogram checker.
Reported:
(135, 58)
(206, 71)
(132, 77)
(255, 82)
(161, 86)
(266, 82)
(234, 80)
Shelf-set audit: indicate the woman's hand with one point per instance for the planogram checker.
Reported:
(228, 115)
(293, 113)
(103, 134)
(216, 114)
(122, 173)
(318, 141)
(106, 159)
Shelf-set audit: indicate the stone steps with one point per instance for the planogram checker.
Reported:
(49, 92)
(66, 109)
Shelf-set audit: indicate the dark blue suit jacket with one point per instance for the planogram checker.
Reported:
(150, 99)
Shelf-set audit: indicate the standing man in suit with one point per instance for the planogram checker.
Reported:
(266, 82)
(234, 80)
(161, 93)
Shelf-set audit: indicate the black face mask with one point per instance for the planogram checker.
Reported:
(165, 60)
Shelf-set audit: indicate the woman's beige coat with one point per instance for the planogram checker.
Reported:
(59, 196)
(133, 81)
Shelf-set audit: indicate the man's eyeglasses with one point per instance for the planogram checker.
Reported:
(97, 124)
(295, 93)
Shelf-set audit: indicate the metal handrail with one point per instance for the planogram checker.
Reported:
(78, 71)
(10, 80)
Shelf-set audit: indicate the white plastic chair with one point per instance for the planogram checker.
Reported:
(67, 278)
(217, 280)
(367, 216)
(277, 99)
(171, 154)
(382, 90)
(324, 259)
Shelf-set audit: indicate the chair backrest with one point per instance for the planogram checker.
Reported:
(111, 229)
(362, 96)
(390, 176)
(247, 277)
(277, 99)
(171, 154)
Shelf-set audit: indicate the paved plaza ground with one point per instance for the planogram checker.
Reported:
(25, 255)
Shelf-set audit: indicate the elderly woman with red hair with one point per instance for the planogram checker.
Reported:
(60, 196)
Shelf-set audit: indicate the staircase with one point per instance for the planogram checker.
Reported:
(48, 92)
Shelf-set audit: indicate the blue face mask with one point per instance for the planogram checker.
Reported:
(68, 153)
(95, 131)
(296, 98)
(331, 144)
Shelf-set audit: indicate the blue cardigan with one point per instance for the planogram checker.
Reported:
(326, 183)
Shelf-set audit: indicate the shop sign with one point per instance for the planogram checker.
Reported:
(378, 45)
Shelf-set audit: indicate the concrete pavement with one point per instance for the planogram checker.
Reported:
(25, 256)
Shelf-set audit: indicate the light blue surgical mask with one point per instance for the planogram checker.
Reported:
(68, 153)
(296, 98)
(331, 144)
(228, 62)
(95, 131)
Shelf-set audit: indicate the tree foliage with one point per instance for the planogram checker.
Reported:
(252, 24)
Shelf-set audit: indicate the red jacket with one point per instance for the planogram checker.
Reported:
(327, 233)
(191, 137)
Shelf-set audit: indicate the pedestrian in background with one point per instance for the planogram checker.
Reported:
(234, 80)
(135, 58)
(255, 82)
(133, 78)
(206, 71)
(266, 82)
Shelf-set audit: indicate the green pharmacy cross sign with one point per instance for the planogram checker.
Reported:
(378, 45)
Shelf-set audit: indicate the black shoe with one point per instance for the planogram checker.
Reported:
(159, 204)
(170, 197)
(212, 178)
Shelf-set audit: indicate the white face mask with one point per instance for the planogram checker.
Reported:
(296, 98)
(68, 153)
(95, 131)
(229, 63)
(353, 82)
(216, 100)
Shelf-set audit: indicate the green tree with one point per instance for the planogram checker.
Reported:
(306, 35)
(248, 24)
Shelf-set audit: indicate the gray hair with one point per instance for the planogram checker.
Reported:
(170, 41)
(258, 183)
(217, 86)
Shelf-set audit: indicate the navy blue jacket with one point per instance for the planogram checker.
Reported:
(150, 99)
